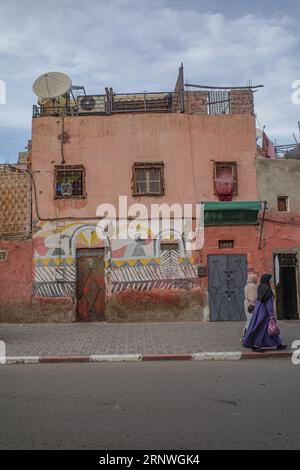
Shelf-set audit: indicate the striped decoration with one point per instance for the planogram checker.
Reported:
(169, 265)
(50, 274)
(118, 287)
(147, 273)
(54, 289)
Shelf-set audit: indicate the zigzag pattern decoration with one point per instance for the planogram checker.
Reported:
(52, 262)
(134, 263)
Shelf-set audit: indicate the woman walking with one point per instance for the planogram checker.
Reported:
(256, 336)
(250, 298)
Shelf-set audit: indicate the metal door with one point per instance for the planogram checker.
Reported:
(90, 285)
(227, 277)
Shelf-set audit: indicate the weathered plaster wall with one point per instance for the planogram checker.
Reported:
(133, 271)
(279, 178)
(137, 285)
(15, 280)
(108, 146)
(245, 239)
(280, 232)
(16, 302)
(157, 305)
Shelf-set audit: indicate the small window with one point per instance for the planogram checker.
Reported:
(225, 180)
(226, 243)
(282, 203)
(148, 179)
(69, 181)
(3, 255)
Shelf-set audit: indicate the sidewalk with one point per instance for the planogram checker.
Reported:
(79, 341)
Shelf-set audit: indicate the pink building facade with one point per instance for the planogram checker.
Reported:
(155, 277)
(63, 241)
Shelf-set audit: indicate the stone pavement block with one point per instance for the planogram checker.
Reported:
(76, 339)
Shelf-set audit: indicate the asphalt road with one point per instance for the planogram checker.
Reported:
(181, 405)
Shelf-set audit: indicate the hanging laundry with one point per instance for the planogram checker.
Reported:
(268, 148)
(224, 183)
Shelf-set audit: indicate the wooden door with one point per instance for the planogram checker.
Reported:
(90, 285)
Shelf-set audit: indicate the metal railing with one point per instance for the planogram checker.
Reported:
(111, 103)
(213, 101)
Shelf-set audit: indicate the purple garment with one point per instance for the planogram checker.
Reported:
(257, 331)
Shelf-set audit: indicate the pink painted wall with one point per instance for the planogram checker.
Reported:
(108, 145)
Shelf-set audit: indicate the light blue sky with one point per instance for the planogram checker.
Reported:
(138, 45)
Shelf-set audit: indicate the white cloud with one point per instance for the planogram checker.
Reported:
(136, 46)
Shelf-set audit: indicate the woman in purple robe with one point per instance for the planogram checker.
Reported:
(256, 336)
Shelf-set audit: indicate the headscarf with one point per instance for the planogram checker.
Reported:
(251, 289)
(264, 292)
(252, 279)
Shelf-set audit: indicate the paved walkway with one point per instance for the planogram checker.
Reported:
(131, 338)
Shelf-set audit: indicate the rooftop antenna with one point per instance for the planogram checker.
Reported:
(51, 85)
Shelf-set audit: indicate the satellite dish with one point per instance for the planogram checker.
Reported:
(51, 85)
(43, 101)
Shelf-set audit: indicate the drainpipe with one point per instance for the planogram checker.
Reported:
(262, 224)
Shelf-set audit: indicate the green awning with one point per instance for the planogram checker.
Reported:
(231, 213)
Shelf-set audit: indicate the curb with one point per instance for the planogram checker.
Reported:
(267, 355)
(167, 357)
(202, 356)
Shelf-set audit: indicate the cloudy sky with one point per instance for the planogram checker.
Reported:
(137, 45)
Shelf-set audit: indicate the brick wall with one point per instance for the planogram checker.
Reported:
(195, 102)
(241, 101)
(175, 102)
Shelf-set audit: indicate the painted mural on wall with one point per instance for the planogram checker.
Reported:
(139, 265)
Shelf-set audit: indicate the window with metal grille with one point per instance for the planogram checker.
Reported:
(69, 181)
(287, 260)
(225, 180)
(148, 179)
(226, 243)
(218, 102)
(282, 203)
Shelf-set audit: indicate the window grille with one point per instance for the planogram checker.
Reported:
(218, 102)
(69, 181)
(287, 260)
(226, 243)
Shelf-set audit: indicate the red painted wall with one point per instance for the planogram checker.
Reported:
(245, 238)
(280, 232)
(15, 279)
